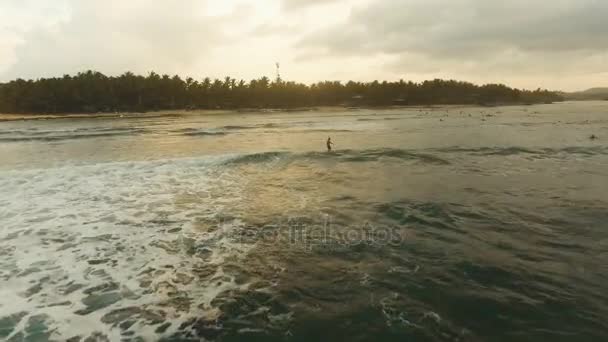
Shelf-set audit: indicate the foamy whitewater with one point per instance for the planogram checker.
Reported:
(447, 223)
(83, 238)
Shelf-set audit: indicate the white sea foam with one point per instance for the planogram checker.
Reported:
(80, 242)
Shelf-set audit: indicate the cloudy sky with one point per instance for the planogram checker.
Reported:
(555, 44)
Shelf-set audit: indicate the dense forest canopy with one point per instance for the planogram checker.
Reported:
(95, 92)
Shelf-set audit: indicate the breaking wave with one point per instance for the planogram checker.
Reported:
(108, 246)
(427, 156)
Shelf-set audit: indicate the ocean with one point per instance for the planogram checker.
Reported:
(424, 224)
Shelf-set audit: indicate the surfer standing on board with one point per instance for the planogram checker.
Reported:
(329, 143)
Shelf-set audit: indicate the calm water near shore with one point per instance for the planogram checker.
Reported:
(425, 224)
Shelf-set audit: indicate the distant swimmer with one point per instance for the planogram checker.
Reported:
(329, 143)
(593, 137)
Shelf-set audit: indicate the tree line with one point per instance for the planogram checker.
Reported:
(91, 92)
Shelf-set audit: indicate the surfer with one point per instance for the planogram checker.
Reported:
(329, 143)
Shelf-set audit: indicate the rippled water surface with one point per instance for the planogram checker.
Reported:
(425, 224)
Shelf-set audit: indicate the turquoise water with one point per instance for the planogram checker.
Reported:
(427, 224)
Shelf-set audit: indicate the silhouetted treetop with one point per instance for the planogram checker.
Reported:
(92, 91)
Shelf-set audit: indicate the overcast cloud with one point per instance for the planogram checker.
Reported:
(299, 4)
(557, 44)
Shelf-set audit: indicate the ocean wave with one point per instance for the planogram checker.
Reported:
(203, 133)
(427, 156)
(109, 129)
(517, 150)
(271, 125)
(68, 134)
(376, 154)
(235, 127)
(343, 155)
(244, 127)
(262, 157)
(189, 131)
(320, 130)
(378, 119)
(49, 138)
